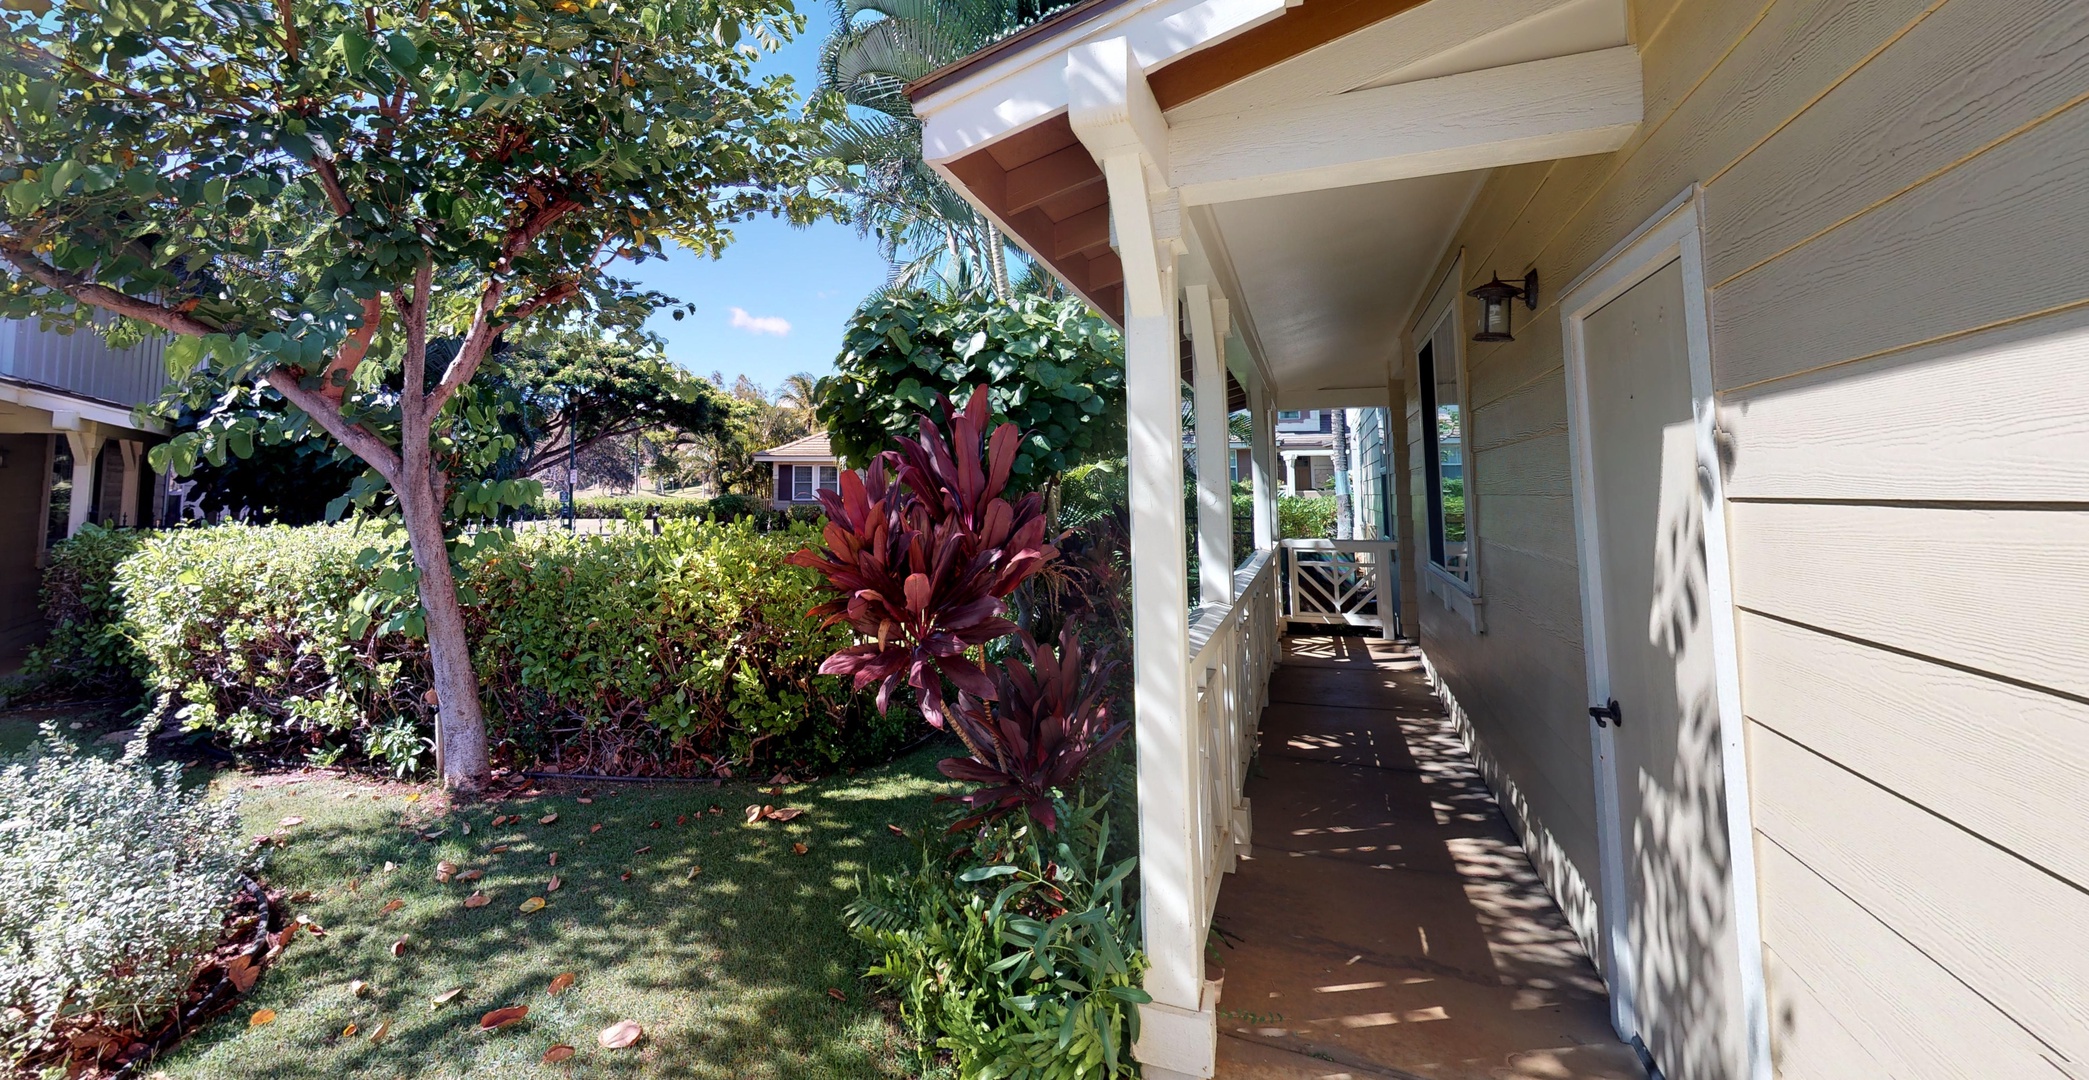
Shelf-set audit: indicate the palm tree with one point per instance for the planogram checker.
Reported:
(923, 227)
(799, 394)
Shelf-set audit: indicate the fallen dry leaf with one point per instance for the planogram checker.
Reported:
(619, 1035)
(643, 850)
(497, 848)
(896, 830)
(384, 1028)
(595, 828)
(466, 826)
(584, 800)
(836, 994)
(625, 876)
(242, 972)
(561, 982)
(693, 871)
(754, 814)
(557, 1054)
(789, 813)
(548, 818)
(399, 947)
(554, 858)
(415, 797)
(654, 825)
(681, 819)
(349, 1030)
(717, 809)
(476, 900)
(390, 866)
(291, 822)
(473, 874)
(445, 870)
(444, 998)
(799, 848)
(553, 884)
(391, 905)
(267, 1016)
(357, 988)
(500, 1018)
(534, 903)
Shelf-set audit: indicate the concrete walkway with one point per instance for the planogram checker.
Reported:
(1389, 924)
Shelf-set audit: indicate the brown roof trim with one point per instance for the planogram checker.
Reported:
(1049, 28)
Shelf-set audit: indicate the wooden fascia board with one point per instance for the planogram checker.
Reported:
(1561, 107)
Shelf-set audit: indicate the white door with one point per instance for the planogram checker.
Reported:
(1676, 941)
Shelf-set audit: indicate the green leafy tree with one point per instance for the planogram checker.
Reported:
(1055, 369)
(311, 192)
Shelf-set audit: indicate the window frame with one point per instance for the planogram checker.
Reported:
(1440, 327)
(802, 483)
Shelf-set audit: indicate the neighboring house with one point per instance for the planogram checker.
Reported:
(70, 453)
(1786, 455)
(799, 470)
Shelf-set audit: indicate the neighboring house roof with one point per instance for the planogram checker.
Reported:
(812, 448)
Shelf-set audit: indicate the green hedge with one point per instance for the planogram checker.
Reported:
(624, 652)
(86, 650)
(670, 508)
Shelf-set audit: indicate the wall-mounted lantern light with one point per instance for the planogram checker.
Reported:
(1494, 298)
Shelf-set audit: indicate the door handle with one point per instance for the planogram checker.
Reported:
(1607, 714)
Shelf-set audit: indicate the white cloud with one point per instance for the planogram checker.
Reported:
(760, 324)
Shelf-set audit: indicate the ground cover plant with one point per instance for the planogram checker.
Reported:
(115, 885)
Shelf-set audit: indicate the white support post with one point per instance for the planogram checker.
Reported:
(1290, 473)
(1113, 113)
(1262, 449)
(87, 452)
(1214, 447)
(133, 462)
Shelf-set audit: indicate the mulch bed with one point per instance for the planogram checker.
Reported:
(257, 929)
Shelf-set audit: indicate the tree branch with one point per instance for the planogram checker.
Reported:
(327, 414)
(351, 353)
(101, 296)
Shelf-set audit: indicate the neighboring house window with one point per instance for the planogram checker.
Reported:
(1290, 414)
(1443, 439)
(801, 483)
(830, 478)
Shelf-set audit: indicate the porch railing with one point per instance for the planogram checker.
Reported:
(1233, 649)
(1342, 583)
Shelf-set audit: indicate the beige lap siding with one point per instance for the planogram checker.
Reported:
(1895, 196)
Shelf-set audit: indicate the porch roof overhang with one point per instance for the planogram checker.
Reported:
(1312, 158)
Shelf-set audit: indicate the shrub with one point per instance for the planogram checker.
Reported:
(1049, 716)
(87, 648)
(1012, 949)
(624, 652)
(702, 632)
(114, 883)
(1302, 518)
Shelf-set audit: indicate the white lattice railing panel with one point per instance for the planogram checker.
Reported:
(1342, 583)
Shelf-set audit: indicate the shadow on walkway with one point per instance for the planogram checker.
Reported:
(1389, 924)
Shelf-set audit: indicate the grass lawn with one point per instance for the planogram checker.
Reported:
(729, 971)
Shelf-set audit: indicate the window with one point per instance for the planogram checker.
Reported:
(1290, 414)
(830, 478)
(1443, 440)
(801, 483)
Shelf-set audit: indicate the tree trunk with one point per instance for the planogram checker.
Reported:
(460, 725)
(1345, 524)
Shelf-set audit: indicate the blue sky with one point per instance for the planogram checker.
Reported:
(775, 303)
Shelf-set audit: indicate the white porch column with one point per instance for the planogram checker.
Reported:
(87, 451)
(1113, 113)
(1262, 448)
(133, 462)
(1290, 472)
(1214, 447)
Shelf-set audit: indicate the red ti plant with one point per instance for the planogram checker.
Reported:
(922, 556)
(1048, 721)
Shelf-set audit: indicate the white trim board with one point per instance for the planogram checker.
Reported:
(1674, 234)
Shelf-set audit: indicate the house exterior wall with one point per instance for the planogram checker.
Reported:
(82, 363)
(1894, 193)
(22, 486)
